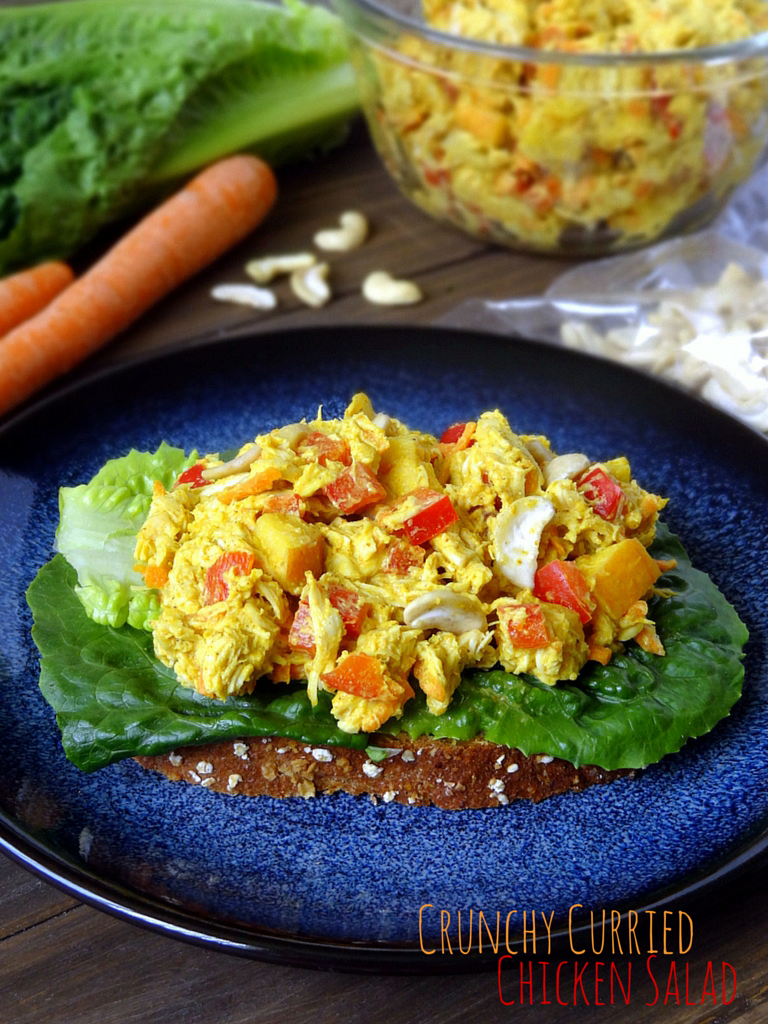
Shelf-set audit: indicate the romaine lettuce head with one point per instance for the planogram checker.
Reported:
(104, 106)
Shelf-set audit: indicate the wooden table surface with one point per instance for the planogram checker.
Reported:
(63, 962)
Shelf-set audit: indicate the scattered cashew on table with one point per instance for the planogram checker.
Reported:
(310, 280)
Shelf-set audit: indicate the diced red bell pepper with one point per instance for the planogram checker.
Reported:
(346, 602)
(602, 492)
(283, 501)
(401, 556)
(354, 488)
(438, 177)
(563, 583)
(434, 513)
(659, 105)
(358, 674)
(327, 448)
(459, 434)
(526, 625)
(216, 588)
(674, 125)
(192, 476)
(453, 434)
(524, 180)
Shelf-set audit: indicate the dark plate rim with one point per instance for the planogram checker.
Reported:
(78, 380)
(316, 952)
(310, 951)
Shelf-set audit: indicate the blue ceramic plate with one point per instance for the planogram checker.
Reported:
(339, 881)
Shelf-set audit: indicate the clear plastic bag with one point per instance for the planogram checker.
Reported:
(693, 310)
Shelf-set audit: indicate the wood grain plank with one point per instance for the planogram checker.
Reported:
(447, 264)
(495, 276)
(26, 901)
(88, 967)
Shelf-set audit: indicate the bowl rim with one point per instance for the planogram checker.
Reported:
(384, 18)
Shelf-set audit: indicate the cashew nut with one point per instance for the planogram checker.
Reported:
(538, 451)
(565, 467)
(264, 270)
(236, 465)
(382, 421)
(311, 285)
(445, 609)
(350, 235)
(517, 536)
(244, 295)
(709, 339)
(382, 289)
(293, 433)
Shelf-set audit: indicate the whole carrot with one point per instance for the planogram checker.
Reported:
(215, 210)
(26, 293)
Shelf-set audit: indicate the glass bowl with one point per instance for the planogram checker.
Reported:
(567, 153)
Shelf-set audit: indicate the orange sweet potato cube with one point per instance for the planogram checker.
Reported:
(619, 575)
(290, 548)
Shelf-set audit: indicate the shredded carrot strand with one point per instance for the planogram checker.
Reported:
(601, 654)
(649, 640)
(281, 674)
(666, 563)
(255, 484)
(218, 208)
(557, 544)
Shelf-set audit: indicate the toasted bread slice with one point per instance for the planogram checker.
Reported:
(453, 775)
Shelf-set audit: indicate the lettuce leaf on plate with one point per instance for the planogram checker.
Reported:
(113, 699)
(627, 714)
(98, 523)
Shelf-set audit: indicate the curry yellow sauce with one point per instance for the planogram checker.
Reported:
(371, 559)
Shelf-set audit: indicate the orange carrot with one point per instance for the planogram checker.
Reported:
(649, 640)
(257, 483)
(215, 210)
(601, 654)
(26, 293)
(155, 575)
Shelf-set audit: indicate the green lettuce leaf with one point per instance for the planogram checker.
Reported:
(113, 699)
(104, 104)
(627, 714)
(98, 523)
